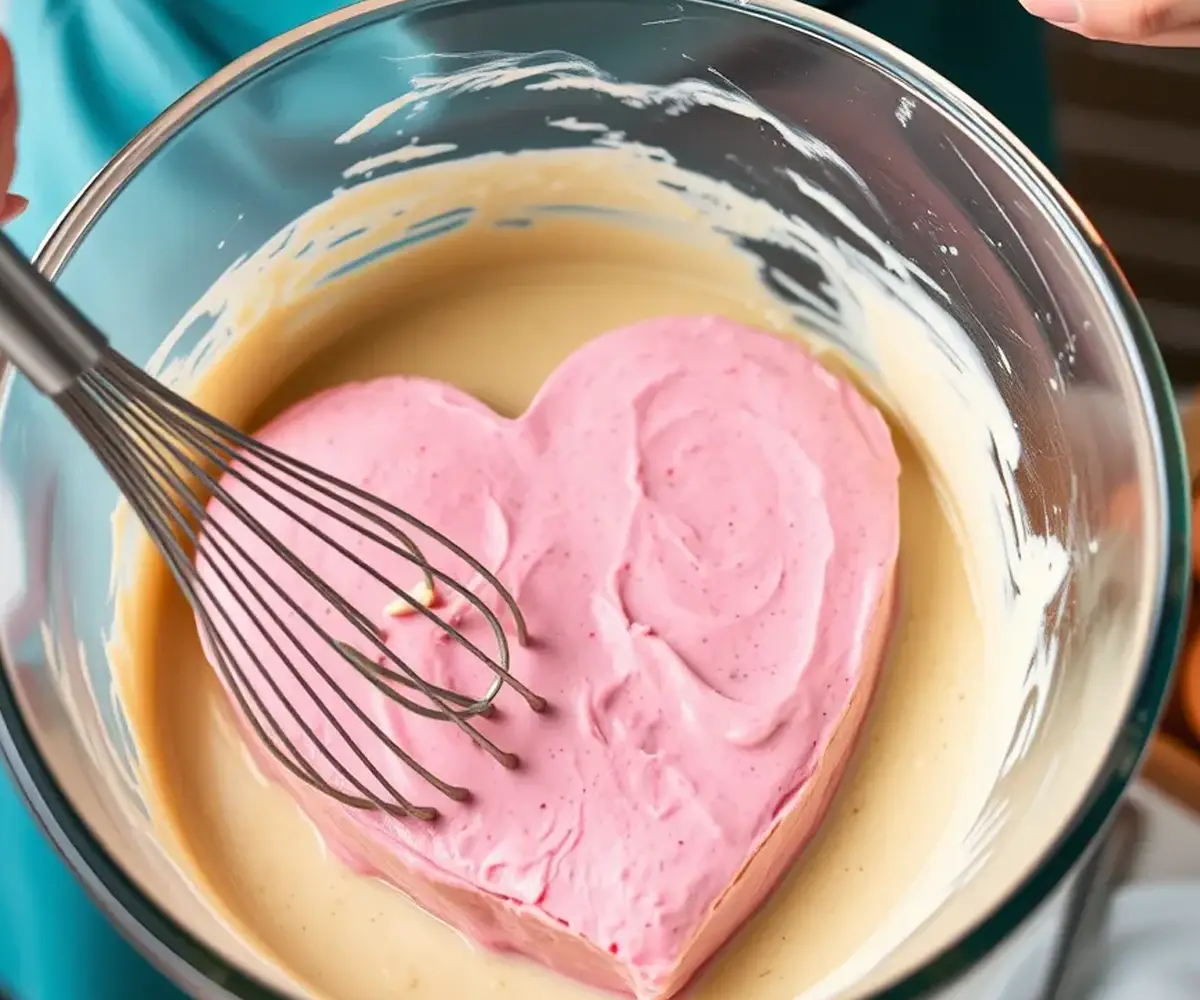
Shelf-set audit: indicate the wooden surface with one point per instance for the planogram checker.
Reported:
(1173, 767)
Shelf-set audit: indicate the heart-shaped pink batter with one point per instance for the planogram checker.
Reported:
(700, 525)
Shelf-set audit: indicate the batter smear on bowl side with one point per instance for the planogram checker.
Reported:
(701, 527)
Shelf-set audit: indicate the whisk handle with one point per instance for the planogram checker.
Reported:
(47, 338)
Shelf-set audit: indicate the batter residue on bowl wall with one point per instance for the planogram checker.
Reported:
(495, 284)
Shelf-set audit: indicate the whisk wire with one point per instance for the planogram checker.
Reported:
(413, 555)
(362, 624)
(139, 384)
(120, 467)
(159, 448)
(332, 596)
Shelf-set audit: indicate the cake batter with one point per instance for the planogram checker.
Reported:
(493, 307)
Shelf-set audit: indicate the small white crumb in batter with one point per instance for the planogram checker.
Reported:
(422, 594)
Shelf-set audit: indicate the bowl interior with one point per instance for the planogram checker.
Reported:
(873, 167)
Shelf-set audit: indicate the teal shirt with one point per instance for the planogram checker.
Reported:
(91, 74)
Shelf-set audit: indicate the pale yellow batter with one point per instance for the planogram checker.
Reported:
(493, 310)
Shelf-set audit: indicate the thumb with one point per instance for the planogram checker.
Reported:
(1149, 22)
(12, 206)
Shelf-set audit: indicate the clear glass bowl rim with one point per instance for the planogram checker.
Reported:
(198, 968)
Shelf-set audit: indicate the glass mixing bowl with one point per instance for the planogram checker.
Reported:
(921, 166)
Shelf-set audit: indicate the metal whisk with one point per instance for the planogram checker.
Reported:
(168, 457)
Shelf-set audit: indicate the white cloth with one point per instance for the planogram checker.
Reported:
(1152, 947)
(1150, 950)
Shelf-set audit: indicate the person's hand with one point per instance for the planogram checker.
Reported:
(12, 205)
(1145, 22)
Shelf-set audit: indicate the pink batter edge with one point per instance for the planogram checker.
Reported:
(701, 525)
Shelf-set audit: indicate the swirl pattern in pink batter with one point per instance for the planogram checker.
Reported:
(701, 526)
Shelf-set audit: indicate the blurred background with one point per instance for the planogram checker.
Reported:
(1129, 125)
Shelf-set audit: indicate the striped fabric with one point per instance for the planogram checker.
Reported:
(1129, 123)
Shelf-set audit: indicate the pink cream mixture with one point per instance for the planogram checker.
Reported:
(700, 525)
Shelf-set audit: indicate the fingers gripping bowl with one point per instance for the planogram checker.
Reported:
(783, 168)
